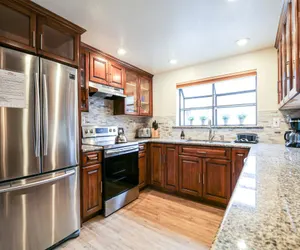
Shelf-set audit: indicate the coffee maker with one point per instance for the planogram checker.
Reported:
(292, 138)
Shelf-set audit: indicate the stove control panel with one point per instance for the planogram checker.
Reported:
(99, 131)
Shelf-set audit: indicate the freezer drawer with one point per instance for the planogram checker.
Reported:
(38, 212)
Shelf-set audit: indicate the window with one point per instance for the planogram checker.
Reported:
(227, 100)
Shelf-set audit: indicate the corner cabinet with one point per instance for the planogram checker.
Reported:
(287, 44)
(27, 26)
(138, 89)
(238, 158)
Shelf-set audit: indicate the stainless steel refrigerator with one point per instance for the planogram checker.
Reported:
(39, 178)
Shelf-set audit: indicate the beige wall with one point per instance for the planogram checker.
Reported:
(264, 61)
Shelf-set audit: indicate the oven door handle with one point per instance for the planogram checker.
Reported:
(113, 153)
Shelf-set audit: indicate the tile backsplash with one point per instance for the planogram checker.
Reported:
(101, 113)
(267, 134)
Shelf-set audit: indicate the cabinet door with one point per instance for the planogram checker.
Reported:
(145, 100)
(57, 41)
(84, 80)
(288, 42)
(171, 167)
(131, 91)
(157, 173)
(98, 69)
(92, 189)
(238, 157)
(142, 169)
(279, 83)
(117, 75)
(190, 175)
(17, 26)
(216, 180)
(283, 63)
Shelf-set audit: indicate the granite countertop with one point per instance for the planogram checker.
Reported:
(264, 210)
(90, 148)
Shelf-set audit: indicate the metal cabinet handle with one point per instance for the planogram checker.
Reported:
(37, 116)
(37, 183)
(201, 152)
(41, 42)
(203, 179)
(199, 178)
(45, 114)
(33, 39)
(101, 186)
(240, 155)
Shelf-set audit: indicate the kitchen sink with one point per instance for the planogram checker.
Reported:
(197, 140)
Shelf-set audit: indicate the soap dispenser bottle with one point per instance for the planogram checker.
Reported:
(182, 135)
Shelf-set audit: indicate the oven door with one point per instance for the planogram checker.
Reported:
(121, 173)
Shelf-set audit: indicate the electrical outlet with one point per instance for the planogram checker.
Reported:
(276, 122)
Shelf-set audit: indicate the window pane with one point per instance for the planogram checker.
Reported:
(236, 85)
(236, 99)
(233, 113)
(198, 102)
(200, 90)
(196, 114)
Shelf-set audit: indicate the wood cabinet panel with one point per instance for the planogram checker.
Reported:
(212, 152)
(84, 79)
(117, 75)
(142, 169)
(145, 96)
(92, 189)
(157, 173)
(216, 180)
(171, 167)
(190, 173)
(98, 69)
(17, 26)
(238, 157)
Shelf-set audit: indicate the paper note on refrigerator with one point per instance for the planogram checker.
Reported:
(12, 89)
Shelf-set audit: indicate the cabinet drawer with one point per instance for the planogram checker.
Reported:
(142, 148)
(91, 158)
(213, 152)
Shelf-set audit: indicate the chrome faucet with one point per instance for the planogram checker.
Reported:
(211, 134)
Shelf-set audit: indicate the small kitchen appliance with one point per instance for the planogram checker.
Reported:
(121, 138)
(246, 138)
(292, 137)
(144, 133)
(120, 166)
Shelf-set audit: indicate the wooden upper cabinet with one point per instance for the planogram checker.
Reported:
(157, 173)
(57, 41)
(190, 175)
(117, 75)
(84, 79)
(145, 96)
(17, 26)
(130, 106)
(99, 69)
(216, 180)
(171, 167)
(238, 158)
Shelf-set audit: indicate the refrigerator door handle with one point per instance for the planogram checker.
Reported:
(18, 186)
(37, 117)
(45, 115)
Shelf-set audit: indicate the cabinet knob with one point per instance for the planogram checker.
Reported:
(33, 39)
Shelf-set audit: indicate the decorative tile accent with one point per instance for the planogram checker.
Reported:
(101, 113)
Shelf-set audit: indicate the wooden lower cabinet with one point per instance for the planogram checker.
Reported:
(164, 170)
(216, 180)
(171, 167)
(92, 189)
(238, 157)
(142, 169)
(157, 173)
(190, 172)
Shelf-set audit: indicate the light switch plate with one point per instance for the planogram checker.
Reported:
(276, 122)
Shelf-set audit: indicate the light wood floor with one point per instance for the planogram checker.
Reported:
(154, 221)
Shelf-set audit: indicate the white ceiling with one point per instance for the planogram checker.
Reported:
(155, 31)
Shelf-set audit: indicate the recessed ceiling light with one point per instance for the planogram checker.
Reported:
(242, 42)
(121, 51)
(231, 0)
(173, 61)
